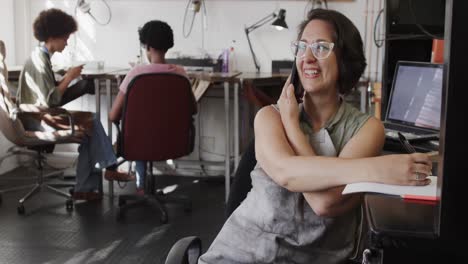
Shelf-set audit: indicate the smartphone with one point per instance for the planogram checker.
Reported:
(298, 89)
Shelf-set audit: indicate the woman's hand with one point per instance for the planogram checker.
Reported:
(287, 103)
(403, 169)
(74, 72)
(83, 121)
(69, 76)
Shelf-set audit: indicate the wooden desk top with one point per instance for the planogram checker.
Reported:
(262, 75)
(14, 72)
(215, 76)
(108, 71)
(15, 68)
(211, 77)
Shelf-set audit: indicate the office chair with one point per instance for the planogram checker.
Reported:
(13, 128)
(261, 92)
(157, 125)
(187, 250)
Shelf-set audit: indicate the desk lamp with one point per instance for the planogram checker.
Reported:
(279, 23)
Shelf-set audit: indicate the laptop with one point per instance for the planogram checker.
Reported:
(415, 101)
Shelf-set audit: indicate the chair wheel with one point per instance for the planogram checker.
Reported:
(164, 218)
(21, 210)
(69, 205)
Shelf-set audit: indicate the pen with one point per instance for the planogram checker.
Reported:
(406, 145)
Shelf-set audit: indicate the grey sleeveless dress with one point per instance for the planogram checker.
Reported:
(268, 226)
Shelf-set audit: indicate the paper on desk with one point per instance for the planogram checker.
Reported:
(405, 191)
(199, 87)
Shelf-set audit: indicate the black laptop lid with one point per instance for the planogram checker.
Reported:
(416, 96)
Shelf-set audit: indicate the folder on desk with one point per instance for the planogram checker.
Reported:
(428, 192)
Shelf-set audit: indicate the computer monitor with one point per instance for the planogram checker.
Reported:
(281, 66)
(416, 95)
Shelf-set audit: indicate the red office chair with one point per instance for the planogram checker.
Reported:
(157, 125)
(261, 92)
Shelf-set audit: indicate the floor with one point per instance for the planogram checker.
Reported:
(47, 233)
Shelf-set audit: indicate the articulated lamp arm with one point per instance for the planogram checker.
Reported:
(258, 24)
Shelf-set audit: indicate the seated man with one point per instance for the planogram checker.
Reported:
(157, 37)
(37, 85)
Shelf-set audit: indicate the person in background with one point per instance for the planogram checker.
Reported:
(295, 212)
(37, 86)
(157, 38)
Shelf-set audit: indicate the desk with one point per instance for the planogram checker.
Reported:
(114, 73)
(402, 231)
(14, 72)
(392, 216)
(251, 82)
(96, 75)
(228, 79)
(406, 232)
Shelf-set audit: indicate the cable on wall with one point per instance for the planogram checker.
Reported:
(191, 10)
(378, 43)
(85, 8)
(419, 25)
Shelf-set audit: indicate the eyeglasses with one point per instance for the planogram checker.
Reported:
(321, 49)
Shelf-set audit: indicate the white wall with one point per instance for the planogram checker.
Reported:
(117, 42)
(7, 30)
(7, 35)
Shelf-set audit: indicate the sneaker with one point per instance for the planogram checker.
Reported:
(114, 175)
(87, 196)
(140, 192)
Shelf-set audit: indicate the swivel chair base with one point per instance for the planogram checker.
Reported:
(153, 198)
(40, 185)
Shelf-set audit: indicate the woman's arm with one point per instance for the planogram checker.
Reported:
(315, 173)
(71, 74)
(368, 142)
(116, 111)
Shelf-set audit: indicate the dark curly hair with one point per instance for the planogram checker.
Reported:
(157, 34)
(53, 23)
(348, 46)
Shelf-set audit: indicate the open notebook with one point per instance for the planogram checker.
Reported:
(427, 192)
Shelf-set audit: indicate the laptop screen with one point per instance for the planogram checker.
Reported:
(416, 96)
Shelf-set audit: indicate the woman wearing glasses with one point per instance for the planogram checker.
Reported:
(306, 153)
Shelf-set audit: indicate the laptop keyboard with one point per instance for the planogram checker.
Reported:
(392, 134)
(403, 129)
